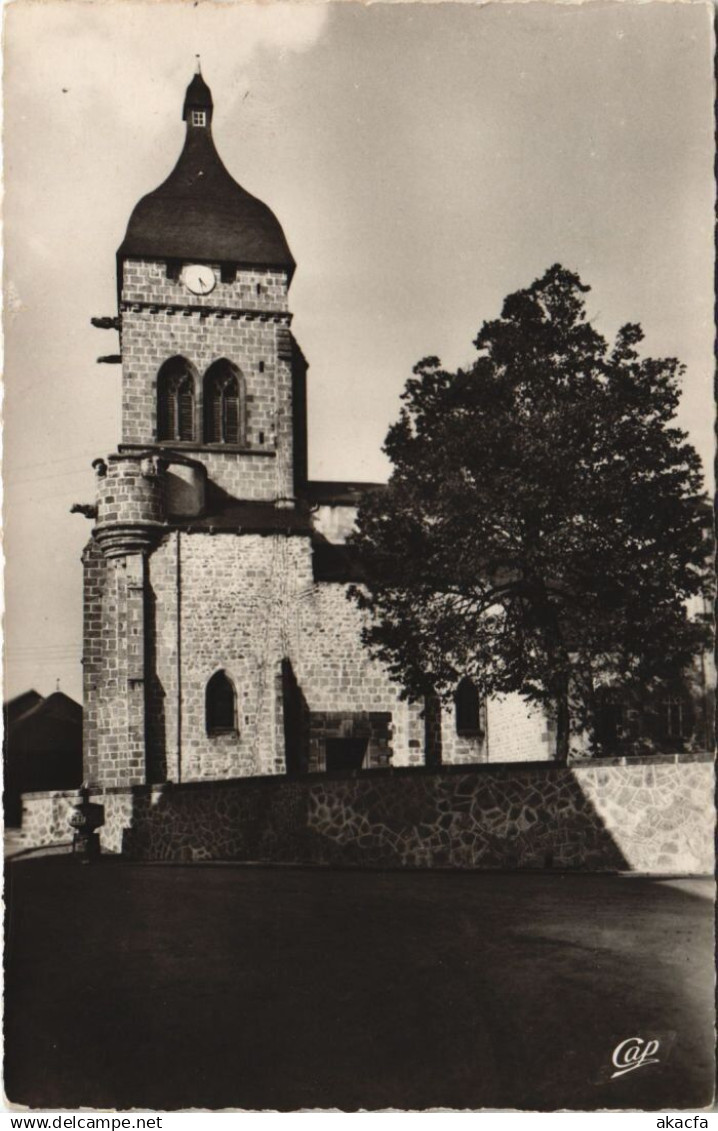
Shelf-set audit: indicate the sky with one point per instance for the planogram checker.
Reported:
(425, 160)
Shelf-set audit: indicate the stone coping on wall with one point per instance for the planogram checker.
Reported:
(479, 769)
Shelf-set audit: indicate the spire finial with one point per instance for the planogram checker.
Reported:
(57, 683)
(198, 65)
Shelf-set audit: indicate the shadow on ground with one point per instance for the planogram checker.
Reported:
(221, 986)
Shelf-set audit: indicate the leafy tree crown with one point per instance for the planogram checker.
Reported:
(544, 523)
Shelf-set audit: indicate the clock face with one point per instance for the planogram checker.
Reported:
(199, 279)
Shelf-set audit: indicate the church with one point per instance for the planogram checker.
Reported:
(231, 710)
(219, 642)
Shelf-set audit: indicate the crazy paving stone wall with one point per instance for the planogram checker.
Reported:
(653, 817)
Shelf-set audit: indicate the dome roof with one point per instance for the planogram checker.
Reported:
(200, 212)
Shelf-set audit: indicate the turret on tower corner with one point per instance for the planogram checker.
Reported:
(209, 363)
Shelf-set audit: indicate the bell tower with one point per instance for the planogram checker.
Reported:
(213, 442)
(209, 365)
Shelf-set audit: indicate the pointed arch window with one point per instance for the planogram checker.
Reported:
(176, 400)
(468, 708)
(220, 705)
(224, 404)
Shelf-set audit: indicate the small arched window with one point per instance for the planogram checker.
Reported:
(223, 404)
(176, 400)
(468, 708)
(220, 705)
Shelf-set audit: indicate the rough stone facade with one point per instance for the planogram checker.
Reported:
(113, 674)
(516, 733)
(245, 321)
(653, 816)
(244, 605)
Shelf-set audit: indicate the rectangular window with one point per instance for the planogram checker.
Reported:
(674, 718)
(199, 118)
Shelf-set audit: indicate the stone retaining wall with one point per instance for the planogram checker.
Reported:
(652, 816)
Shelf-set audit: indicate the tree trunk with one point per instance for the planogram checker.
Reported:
(432, 730)
(563, 723)
(559, 678)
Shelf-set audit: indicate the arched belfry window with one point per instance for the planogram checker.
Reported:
(220, 705)
(224, 407)
(468, 708)
(176, 400)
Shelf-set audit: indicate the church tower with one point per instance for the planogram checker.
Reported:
(208, 363)
(213, 444)
(219, 642)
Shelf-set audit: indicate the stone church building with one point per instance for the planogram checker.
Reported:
(231, 710)
(218, 638)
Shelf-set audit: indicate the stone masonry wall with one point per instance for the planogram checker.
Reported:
(265, 291)
(334, 670)
(517, 733)
(242, 604)
(371, 728)
(46, 818)
(113, 676)
(94, 673)
(131, 491)
(232, 596)
(650, 816)
(161, 320)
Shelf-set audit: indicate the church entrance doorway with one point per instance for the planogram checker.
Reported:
(346, 753)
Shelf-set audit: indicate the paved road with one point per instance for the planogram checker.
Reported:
(166, 987)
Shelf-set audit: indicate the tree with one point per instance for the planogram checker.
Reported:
(543, 526)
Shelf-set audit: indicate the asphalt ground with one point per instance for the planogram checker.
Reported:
(164, 987)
